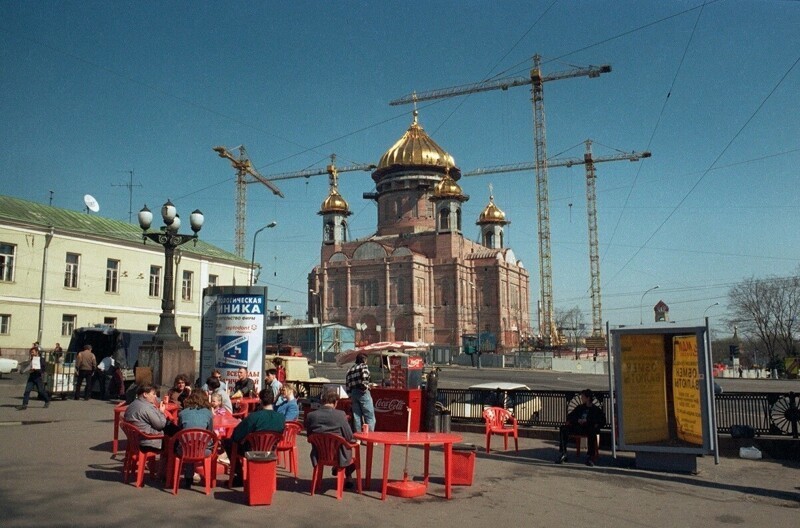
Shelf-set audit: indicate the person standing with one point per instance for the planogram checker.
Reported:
(105, 374)
(586, 420)
(85, 365)
(58, 353)
(35, 378)
(357, 383)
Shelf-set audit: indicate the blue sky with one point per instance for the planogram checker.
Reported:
(91, 90)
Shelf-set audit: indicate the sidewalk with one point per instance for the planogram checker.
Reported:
(56, 469)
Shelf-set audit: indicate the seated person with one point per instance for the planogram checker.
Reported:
(271, 382)
(218, 375)
(180, 390)
(264, 419)
(214, 387)
(328, 419)
(146, 413)
(196, 414)
(287, 403)
(586, 420)
(244, 386)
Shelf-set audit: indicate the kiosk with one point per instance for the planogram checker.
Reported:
(664, 396)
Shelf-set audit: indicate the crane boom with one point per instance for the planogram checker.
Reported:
(244, 168)
(318, 172)
(591, 211)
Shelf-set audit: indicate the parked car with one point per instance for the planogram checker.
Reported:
(7, 366)
(512, 396)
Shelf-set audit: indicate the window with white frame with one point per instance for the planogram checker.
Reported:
(186, 333)
(213, 280)
(5, 324)
(112, 276)
(186, 289)
(110, 321)
(155, 281)
(72, 269)
(7, 254)
(68, 322)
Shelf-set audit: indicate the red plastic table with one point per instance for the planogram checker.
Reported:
(249, 403)
(388, 439)
(224, 424)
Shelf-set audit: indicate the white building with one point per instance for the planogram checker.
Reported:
(63, 269)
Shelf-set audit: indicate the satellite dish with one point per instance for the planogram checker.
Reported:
(90, 203)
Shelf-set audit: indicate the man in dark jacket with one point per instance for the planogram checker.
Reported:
(328, 419)
(35, 378)
(585, 420)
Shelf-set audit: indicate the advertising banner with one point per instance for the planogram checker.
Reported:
(239, 332)
(686, 390)
(643, 382)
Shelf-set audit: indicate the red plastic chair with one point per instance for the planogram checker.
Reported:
(500, 421)
(135, 458)
(327, 447)
(191, 446)
(287, 447)
(258, 441)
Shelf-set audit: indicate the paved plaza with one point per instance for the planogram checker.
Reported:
(56, 469)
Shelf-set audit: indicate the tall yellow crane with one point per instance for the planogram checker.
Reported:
(245, 173)
(536, 80)
(591, 212)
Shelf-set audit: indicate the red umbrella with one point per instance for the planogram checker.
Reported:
(349, 356)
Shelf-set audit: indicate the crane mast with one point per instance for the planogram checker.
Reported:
(591, 211)
(245, 174)
(536, 80)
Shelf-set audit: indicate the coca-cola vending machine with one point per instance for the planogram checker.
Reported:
(400, 395)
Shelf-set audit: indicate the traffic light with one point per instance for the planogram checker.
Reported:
(734, 351)
(279, 338)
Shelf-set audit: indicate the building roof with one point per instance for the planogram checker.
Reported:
(415, 148)
(65, 221)
(492, 214)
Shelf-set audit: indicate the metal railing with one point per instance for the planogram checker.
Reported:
(768, 413)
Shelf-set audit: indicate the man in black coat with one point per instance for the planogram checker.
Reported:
(585, 420)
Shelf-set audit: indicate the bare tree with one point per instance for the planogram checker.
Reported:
(572, 325)
(765, 311)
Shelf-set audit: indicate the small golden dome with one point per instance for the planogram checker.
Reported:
(492, 214)
(334, 203)
(416, 148)
(447, 188)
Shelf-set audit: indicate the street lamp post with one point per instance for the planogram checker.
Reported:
(641, 304)
(708, 308)
(316, 317)
(169, 238)
(253, 258)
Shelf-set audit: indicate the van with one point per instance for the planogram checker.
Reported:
(297, 368)
(122, 345)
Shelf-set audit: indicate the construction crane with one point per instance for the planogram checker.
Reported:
(591, 212)
(536, 80)
(332, 170)
(245, 173)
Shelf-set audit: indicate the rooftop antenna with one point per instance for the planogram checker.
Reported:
(130, 185)
(51, 197)
(90, 203)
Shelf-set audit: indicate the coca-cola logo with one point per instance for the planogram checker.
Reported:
(384, 405)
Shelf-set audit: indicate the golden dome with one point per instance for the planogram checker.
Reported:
(447, 188)
(492, 214)
(416, 148)
(334, 203)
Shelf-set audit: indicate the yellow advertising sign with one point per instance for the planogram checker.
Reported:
(686, 390)
(643, 385)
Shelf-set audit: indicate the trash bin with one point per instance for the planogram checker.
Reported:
(261, 477)
(442, 421)
(463, 464)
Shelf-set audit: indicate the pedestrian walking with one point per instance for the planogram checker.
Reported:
(35, 378)
(85, 365)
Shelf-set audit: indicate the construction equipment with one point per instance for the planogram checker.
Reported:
(536, 80)
(591, 212)
(331, 170)
(245, 173)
